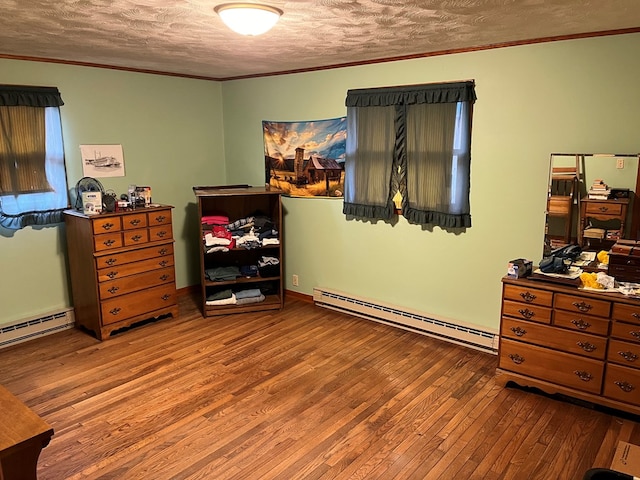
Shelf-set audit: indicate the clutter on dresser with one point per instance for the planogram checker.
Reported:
(519, 268)
(89, 192)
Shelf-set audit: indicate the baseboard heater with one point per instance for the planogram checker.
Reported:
(467, 336)
(23, 330)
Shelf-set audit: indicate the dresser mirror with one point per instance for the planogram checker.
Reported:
(584, 211)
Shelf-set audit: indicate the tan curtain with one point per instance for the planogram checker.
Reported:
(22, 150)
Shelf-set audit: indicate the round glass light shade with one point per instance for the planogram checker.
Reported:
(248, 18)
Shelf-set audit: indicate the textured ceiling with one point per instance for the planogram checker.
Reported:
(186, 36)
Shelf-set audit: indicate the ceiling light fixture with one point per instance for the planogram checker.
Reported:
(248, 18)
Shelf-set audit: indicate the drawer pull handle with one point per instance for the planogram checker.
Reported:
(109, 242)
(136, 238)
(115, 311)
(164, 277)
(583, 307)
(628, 356)
(108, 226)
(586, 346)
(163, 263)
(161, 233)
(636, 315)
(135, 222)
(160, 218)
(165, 297)
(528, 297)
(110, 261)
(526, 313)
(518, 331)
(584, 376)
(603, 209)
(635, 333)
(515, 358)
(163, 251)
(581, 324)
(625, 386)
(113, 290)
(112, 275)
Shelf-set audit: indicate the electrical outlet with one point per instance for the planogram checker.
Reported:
(294, 280)
(620, 163)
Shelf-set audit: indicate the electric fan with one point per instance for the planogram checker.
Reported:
(87, 184)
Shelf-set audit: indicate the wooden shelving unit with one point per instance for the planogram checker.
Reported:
(239, 202)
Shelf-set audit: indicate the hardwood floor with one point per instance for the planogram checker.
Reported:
(306, 393)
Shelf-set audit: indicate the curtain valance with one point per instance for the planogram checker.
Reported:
(20, 95)
(412, 94)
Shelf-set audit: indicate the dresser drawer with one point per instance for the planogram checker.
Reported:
(138, 303)
(627, 313)
(533, 313)
(564, 340)
(528, 295)
(106, 225)
(113, 259)
(133, 268)
(137, 220)
(160, 232)
(604, 208)
(622, 383)
(598, 308)
(107, 241)
(162, 217)
(560, 368)
(133, 283)
(135, 237)
(626, 331)
(625, 353)
(582, 323)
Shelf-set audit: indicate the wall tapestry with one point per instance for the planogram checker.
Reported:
(102, 160)
(306, 159)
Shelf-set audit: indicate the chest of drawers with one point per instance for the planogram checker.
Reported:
(121, 267)
(577, 343)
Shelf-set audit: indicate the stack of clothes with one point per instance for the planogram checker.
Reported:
(241, 297)
(250, 232)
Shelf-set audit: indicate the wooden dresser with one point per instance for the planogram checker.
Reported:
(121, 266)
(573, 342)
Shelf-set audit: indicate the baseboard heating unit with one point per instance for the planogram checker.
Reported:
(23, 330)
(467, 336)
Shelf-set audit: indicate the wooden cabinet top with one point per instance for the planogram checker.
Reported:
(234, 190)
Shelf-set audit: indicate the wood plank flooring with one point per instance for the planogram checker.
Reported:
(305, 393)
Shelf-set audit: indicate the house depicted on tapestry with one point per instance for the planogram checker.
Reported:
(316, 169)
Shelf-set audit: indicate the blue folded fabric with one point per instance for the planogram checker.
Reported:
(251, 292)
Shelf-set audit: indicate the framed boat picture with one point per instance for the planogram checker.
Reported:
(102, 160)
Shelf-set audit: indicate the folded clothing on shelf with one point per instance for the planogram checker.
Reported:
(269, 266)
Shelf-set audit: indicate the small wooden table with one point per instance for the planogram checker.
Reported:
(603, 210)
(23, 435)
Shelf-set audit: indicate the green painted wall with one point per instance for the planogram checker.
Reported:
(171, 132)
(578, 95)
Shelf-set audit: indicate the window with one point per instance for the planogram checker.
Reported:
(33, 184)
(412, 141)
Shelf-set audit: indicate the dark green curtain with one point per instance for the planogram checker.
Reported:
(414, 140)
